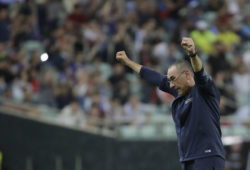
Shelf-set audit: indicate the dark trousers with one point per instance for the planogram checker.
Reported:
(208, 163)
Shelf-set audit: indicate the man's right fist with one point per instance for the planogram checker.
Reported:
(122, 57)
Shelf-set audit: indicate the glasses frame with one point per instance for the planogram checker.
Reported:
(176, 78)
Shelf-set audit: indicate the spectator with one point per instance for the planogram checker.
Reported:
(72, 115)
(241, 79)
(77, 16)
(217, 59)
(4, 25)
(203, 37)
(245, 30)
(134, 112)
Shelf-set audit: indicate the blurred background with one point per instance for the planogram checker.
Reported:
(66, 104)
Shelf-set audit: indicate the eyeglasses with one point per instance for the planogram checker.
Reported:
(171, 79)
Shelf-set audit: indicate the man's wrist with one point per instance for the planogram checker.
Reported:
(127, 62)
(192, 55)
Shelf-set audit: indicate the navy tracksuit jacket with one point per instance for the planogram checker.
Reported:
(196, 115)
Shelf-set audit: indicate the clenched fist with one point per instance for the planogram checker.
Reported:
(188, 45)
(122, 57)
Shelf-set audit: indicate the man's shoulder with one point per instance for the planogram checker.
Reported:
(206, 94)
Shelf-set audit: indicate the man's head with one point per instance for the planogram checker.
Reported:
(180, 76)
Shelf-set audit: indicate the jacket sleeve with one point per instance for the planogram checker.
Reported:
(205, 83)
(157, 79)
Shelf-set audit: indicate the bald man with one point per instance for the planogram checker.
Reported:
(195, 109)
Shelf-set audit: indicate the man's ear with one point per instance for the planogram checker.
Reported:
(188, 75)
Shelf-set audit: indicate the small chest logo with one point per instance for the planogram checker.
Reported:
(188, 100)
(208, 151)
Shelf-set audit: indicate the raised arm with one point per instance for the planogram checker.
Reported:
(189, 46)
(122, 57)
(146, 73)
(202, 79)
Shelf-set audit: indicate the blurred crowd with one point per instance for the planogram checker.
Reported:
(80, 38)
